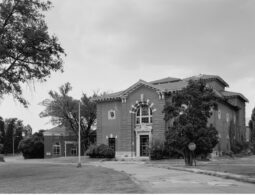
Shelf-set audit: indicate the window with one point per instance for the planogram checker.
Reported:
(234, 119)
(227, 117)
(74, 151)
(56, 148)
(111, 114)
(219, 114)
(144, 115)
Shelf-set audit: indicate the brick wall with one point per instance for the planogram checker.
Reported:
(49, 141)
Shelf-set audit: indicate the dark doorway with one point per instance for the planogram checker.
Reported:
(144, 145)
(112, 143)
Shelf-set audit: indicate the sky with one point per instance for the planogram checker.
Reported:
(112, 44)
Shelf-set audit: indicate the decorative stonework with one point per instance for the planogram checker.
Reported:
(141, 102)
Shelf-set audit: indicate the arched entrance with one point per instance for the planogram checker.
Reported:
(143, 117)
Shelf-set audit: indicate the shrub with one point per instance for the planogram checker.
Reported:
(2, 158)
(92, 151)
(32, 147)
(101, 151)
(157, 150)
(108, 153)
(1, 148)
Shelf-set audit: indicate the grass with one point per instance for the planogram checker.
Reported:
(241, 166)
(47, 178)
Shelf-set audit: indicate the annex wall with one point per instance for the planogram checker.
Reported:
(108, 127)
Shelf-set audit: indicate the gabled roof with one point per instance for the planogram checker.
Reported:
(230, 94)
(59, 130)
(173, 86)
(138, 84)
(208, 77)
(125, 93)
(170, 84)
(165, 80)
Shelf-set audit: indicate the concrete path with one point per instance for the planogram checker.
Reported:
(160, 180)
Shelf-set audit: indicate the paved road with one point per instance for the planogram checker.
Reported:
(160, 180)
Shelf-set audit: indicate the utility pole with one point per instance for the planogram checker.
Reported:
(13, 141)
(79, 137)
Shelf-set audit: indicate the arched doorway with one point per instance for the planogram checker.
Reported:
(143, 127)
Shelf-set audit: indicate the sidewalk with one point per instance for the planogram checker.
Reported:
(161, 180)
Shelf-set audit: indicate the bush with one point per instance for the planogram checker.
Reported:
(101, 151)
(238, 147)
(92, 151)
(2, 158)
(157, 150)
(1, 148)
(32, 147)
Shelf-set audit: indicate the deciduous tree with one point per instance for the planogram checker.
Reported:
(63, 110)
(27, 51)
(189, 111)
(14, 129)
(252, 130)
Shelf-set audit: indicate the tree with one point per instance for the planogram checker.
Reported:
(14, 129)
(28, 130)
(2, 131)
(33, 146)
(63, 110)
(252, 130)
(188, 112)
(2, 134)
(27, 51)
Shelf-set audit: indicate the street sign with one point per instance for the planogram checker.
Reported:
(192, 146)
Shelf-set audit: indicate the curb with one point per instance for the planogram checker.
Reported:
(214, 173)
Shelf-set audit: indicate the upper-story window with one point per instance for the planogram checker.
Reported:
(111, 115)
(219, 114)
(227, 117)
(144, 115)
(234, 119)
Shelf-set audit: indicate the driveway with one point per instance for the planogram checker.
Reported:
(160, 180)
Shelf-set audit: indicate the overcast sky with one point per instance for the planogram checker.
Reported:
(112, 44)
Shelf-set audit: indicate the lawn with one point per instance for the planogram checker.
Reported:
(47, 178)
(241, 166)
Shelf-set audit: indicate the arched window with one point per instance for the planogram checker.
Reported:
(56, 148)
(144, 115)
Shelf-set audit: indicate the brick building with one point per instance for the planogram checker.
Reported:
(60, 141)
(128, 120)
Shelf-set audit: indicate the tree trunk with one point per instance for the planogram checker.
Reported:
(188, 157)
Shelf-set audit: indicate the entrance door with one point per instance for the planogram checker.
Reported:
(112, 143)
(144, 145)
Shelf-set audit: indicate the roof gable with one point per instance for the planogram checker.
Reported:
(137, 85)
(165, 80)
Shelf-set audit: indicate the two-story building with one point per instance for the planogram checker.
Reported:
(129, 120)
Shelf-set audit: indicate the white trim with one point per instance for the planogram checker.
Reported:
(69, 142)
(55, 145)
(142, 129)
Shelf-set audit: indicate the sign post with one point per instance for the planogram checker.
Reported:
(79, 138)
(192, 147)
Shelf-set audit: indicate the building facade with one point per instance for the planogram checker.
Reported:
(58, 142)
(129, 120)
